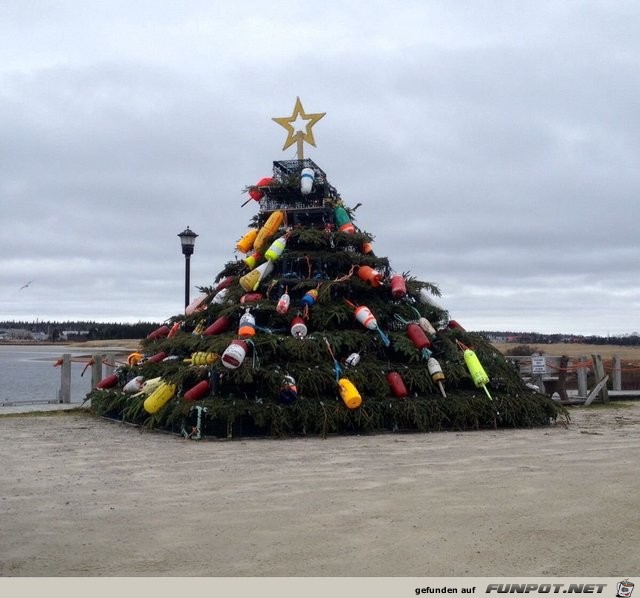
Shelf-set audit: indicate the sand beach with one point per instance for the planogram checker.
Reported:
(85, 496)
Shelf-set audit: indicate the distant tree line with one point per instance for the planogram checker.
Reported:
(536, 338)
(91, 330)
(114, 330)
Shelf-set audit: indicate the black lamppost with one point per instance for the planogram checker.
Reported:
(187, 240)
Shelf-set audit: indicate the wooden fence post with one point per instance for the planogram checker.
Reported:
(598, 368)
(562, 378)
(65, 379)
(96, 370)
(109, 363)
(616, 374)
(582, 376)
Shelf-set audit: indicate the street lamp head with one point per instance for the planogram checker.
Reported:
(187, 240)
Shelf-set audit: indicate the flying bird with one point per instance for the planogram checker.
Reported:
(24, 286)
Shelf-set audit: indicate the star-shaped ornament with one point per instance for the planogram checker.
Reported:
(294, 123)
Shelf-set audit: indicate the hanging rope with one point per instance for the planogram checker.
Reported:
(346, 276)
(89, 364)
(255, 360)
(336, 366)
(306, 257)
(400, 319)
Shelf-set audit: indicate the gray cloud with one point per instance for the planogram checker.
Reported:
(493, 147)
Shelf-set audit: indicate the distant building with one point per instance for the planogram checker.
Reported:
(16, 334)
(74, 335)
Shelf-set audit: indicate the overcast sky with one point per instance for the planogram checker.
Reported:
(494, 146)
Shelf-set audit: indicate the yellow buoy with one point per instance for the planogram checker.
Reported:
(203, 358)
(270, 228)
(276, 249)
(478, 375)
(349, 393)
(149, 386)
(250, 281)
(245, 244)
(159, 397)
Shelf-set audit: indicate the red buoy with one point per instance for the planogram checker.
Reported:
(398, 286)
(454, 325)
(225, 283)
(159, 333)
(158, 357)
(251, 298)
(418, 337)
(258, 194)
(174, 329)
(197, 392)
(397, 385)
(108, 382)
(222, 324)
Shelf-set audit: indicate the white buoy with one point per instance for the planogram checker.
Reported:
(234, 354)
(306, 180)
(353, 360)
(134, 385)
(220, 296)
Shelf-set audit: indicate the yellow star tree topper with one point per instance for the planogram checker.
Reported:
(295, 134)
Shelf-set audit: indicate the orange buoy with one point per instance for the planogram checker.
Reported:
(245, 244)
(134, 358)
(368, 274)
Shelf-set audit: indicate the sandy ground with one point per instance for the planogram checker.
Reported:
(83, 496)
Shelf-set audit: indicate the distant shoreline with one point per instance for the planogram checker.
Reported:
(128, 344)
(570, 349)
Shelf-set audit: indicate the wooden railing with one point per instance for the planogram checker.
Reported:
(554, 374)
(101, 365)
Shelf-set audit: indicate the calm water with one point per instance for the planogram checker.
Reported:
(27, 373)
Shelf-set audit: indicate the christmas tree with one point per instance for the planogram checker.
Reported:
(308, 331)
